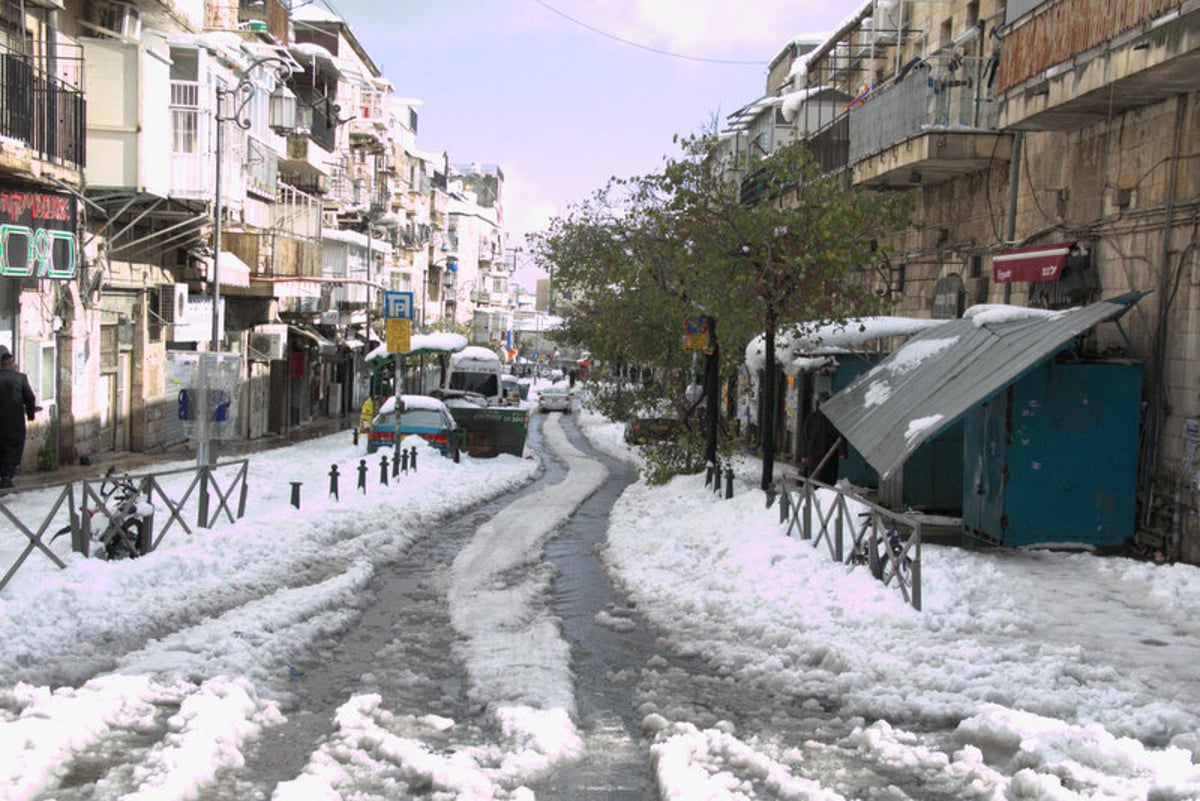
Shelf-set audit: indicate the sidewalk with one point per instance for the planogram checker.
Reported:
(134, 462)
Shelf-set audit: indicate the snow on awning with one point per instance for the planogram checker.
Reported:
(1031, 263)
(941, 374)
(230, 269)
(324, 344)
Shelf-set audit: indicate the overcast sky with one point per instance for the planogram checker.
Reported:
(563, 94)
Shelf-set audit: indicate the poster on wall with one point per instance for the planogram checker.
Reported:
(37, 234)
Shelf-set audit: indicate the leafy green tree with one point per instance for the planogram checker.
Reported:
(779, 247)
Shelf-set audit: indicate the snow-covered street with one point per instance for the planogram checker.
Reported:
(752, 666)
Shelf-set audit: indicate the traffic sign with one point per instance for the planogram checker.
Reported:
(398, 304)
(695, 336)
(399, 335)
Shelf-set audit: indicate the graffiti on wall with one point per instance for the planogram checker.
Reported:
(37, 234)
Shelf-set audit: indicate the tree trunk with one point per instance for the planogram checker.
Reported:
(768, 406)
(712, 388)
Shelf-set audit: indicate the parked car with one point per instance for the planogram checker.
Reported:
(641, 430)
(511, 389)
(422, 415)
(556, 398)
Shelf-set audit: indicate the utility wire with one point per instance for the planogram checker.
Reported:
(616, 38)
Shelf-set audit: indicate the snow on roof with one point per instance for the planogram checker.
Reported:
(792, 101)
(991, 313)
(315, 13)
(809, 339)
(411, 402)
(355, 238)
(475, 353)
(437, 341)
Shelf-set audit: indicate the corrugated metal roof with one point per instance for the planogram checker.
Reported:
(940, 374)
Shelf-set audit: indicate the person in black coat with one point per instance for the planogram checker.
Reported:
(17, 404)
(818, 437)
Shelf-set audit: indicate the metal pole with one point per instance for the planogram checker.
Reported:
(1014, 183)
(216, 263)
(369, 259)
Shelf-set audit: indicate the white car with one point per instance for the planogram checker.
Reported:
(556, 398)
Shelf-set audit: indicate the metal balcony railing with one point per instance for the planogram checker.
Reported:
(320, 119)
(930, 98)
(297, 214)
(42, 111)
(830, 146)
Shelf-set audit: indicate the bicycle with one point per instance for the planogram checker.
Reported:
(893, 552)
(122, 536)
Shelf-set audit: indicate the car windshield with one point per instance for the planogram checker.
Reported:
(419, 418)
(554, 391)
(483, 383)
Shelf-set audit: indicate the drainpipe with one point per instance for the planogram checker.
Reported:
(1166, 289)
(1014, 182)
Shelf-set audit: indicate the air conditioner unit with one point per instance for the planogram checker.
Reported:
(173, 303)
(268, 345)
(120, 18)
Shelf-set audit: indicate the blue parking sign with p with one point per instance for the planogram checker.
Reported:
(398, 304)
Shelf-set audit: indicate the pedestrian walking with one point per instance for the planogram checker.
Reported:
(17, 404)
(819, 438)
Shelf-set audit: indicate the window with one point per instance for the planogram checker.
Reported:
(40, 358)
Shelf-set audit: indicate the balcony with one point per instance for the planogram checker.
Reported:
(42, 111)
(320, 118)
(262, 169)
(1106, 59)
(830, 145)
(301, 166)
(938, 123)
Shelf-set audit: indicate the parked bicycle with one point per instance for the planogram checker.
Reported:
(125, 516)
(890, 548)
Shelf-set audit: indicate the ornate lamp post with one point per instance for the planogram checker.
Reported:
(282, 117)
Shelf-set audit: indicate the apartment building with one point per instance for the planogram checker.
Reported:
(43, 151)
(1051, 147)
(254, 186)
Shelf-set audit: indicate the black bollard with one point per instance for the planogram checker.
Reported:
(355, 430)
(770, 496)
(362, 475)
(333, 487)
(383, 478)
(717, 479)
(784, 502)
(728, 482)
(395, 465)
(296, 493)
(413, 460)
(404, 460)
(708, 475)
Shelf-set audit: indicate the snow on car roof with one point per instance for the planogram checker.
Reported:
(411, 402)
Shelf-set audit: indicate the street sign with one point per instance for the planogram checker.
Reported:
(695, 333)
(399, 335)
(398, 304)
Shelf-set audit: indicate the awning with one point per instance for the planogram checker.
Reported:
(941, 374)
(233, 271)
(1032, 263)
(322, 342)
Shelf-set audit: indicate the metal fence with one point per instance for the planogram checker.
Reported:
(855, 531)
(211, 492)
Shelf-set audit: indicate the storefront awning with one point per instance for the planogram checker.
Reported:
(323, 343)
(941, 374)
(1032, 263)
(232, 270)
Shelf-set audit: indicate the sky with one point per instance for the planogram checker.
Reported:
(1060, 676)
(564, 94)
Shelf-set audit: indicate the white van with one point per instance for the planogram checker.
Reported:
(476, 371)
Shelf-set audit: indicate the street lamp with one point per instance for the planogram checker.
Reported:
(281, 117)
